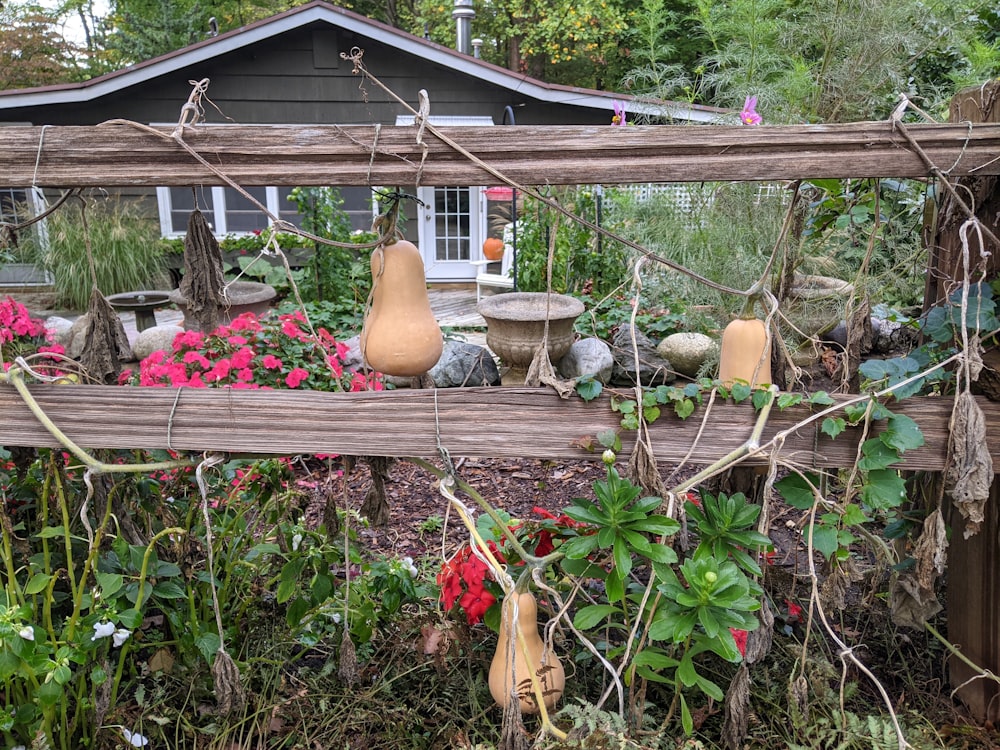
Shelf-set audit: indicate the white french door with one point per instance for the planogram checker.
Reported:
(451, 231)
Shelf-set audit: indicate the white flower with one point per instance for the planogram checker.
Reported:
(19, 747)
(102, 630)
(409, 567)
(120, 636)
(296, 541)
(135, 739)
(27, 632)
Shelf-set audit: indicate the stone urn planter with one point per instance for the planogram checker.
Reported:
(244, 297)
(515, 325)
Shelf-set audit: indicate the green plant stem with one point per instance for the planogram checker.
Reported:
(957, 653)
(15, 376)
(88, 565)
(67, 536)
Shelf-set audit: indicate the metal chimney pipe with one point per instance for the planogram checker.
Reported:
(463, 14)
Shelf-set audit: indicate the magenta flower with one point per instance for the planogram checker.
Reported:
(619, 118)
(295, 377)
(749, 116)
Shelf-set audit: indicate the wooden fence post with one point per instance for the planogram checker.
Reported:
(973, 597)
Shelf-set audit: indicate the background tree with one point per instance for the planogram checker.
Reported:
(32, 50)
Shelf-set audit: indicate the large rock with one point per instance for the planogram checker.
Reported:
(653, 369)
(687, 352)
(464, 364)
(157, 338)
(59, 329)
(589, 356)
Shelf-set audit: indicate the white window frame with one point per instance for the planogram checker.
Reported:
(217, 220)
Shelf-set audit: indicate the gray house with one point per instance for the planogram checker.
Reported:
(288, 69)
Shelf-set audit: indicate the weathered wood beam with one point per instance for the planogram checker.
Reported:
(476, 422)
(120, 155)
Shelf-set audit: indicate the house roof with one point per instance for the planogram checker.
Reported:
(323, 12)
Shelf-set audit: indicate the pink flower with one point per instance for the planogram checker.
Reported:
(749, 116)
(290, 329)
(236, 340)
(245, 375)
(295, 377)
(189, 339)
(619, 117)
(197, 358)
(243, 358)
(271, 362)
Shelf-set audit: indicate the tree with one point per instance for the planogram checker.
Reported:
(32, 51)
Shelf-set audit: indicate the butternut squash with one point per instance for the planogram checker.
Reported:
(746, 353)
(503, 682)
(399, 335)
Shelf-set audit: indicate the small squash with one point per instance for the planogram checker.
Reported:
(745, 353)
(551, 675)
(493, 248)
(400, 335)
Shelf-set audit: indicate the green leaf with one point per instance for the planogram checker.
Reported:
(883, 489)
(786, 400)
(661, 553)
(622, 556)
(9, 664)
(651, 413)
(208, 644)
(902, 433)
(592, 615)
(169, 590)
(684, 408)
(833, 426)
(614, 586)
(579, 547)
(762, 398)
(37, 583)
(264, 548)
(687, 723)
(740, 391)
(876, 455)
(853, 515)
(588, 388)
(50, 532)
(825, 540)
(296, 611)
(821, 398)
(130, 618)
(289, 579)
(109, 583)
(797, 490)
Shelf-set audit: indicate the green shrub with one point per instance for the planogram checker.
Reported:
(125, 244)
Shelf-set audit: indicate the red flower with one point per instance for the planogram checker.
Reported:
(794, 611)
(475, 602)
(295, 377)
(740, 636)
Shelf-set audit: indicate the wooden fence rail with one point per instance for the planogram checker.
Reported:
(475, 422)
(118, 155)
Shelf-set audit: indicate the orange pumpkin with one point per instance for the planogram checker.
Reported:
(493, 248)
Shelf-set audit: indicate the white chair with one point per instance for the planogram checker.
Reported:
(502, 280)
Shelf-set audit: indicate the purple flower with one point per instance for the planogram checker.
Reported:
(749, 114)
(619, 118)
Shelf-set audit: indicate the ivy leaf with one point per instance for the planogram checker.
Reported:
(902, 434)
(821, 398)
(789, 399)
(877, 455)
(684, 408)
(884, 489)
(825, 540)
(797, 491)
(833, 426)
(761, 398)
(588, 387)
(740, 391)
(854, 516)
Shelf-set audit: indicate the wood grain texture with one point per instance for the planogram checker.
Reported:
(119, 155)
(475, 422)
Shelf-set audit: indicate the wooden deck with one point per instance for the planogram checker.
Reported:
(454, 306)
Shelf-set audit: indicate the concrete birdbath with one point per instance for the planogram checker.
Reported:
(515, 325)
(143, 304)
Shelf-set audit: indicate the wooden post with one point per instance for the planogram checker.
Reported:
(973, 564)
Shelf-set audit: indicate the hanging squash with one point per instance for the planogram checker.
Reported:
(493, 248)
(746, 351)
(400, 335)
(551, 675)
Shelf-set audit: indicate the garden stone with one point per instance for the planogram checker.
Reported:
(688, 352)
(76, 337)
(589, 356)
(653, 369)
(59, 329)
(464, 364)
(352, 359)
(157, 338)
